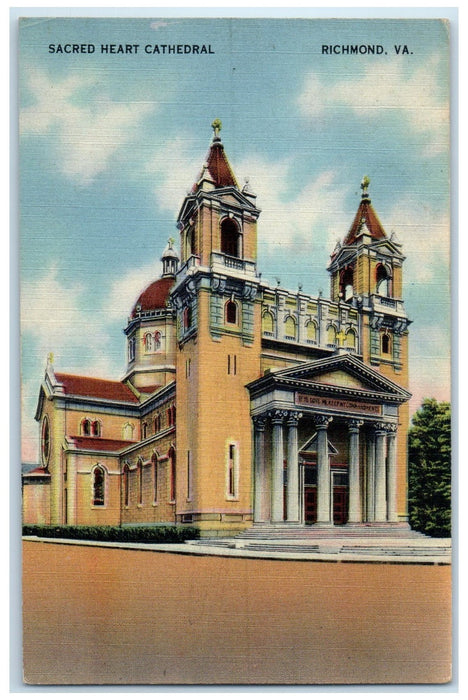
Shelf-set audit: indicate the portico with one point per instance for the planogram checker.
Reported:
(325, 445)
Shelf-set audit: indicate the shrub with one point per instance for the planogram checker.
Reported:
(107, 533)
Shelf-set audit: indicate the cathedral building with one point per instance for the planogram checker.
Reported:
(242, 404)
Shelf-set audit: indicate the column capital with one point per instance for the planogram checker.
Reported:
(321, 422)
(277, 416)
(354, 425)
(380, 426)
(293, 418)
(259, 422)
(391, 429)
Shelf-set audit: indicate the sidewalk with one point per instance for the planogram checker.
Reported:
(431, 551)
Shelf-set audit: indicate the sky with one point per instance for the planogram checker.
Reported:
(110, 143)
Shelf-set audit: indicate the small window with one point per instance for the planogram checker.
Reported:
(98, 486)
(385, 344)
(131, 349)
(96, 428)
(346, 284)
(144, 431)
(231, 312)
(148, 342)
(157, 423)
(232, 471)
(232, 364)
(85, 427)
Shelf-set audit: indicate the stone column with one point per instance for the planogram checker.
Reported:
(370, 478)
(323, 472)
(355, 502)
(259, 469)
(277, 483)
(380, 473)
(293, 469)
(391, 474)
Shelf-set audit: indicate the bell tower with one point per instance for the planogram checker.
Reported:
(366, 272)
(218, 307)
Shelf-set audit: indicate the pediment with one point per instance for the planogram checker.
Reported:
(343, 372)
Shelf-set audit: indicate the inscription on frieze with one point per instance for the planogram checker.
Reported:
(337, 404)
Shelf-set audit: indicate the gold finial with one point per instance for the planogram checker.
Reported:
(365, 183)
(216, 126)
(50, 358)
(171, 241)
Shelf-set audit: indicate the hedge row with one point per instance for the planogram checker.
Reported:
(106, 533)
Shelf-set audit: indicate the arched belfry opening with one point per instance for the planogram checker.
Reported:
(383, 280)
(346, 284)
(230, 238)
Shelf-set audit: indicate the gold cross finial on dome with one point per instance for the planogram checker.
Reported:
(216, 126)
(171, 241)
(365, 183)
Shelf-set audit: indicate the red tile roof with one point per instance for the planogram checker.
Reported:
(96, 388)
(218, 167)
(100, 444)
(155, 296)
(365, 215)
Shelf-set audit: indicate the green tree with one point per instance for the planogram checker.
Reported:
(429, 475)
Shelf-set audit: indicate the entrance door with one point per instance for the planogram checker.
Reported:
(310, 504)
(340, 497)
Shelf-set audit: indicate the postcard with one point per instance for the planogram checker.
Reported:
(235, 351)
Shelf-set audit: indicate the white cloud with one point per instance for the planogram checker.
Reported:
(85, 133)
(425, 235)
(292, 220)
(386, 87)
(62, 319)
(176, 167)
(125, 290)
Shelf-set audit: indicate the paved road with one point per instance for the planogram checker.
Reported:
(109, 616)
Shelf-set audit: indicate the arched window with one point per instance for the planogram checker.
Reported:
(187, 317)
(144, 431)
(268, 322)
(96, 428)
(157, 423)
(290, 328)
(346, 284)
(98, 486)
(154, 463)
(331, 335)
(140, 481)
(191, 245)
(351, 339)
(131, 349)
(230, 238)
(231, 312)
(127, 431)
(157, 340)
(85, 427)
(172, 474)
(45, 441)
(126, 485)
(148, 342)
(386, 344)
(311, 330)
(383, 281)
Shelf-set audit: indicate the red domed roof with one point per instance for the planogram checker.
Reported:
(154, 297)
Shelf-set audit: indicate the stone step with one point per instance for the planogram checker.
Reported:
(346, 532)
